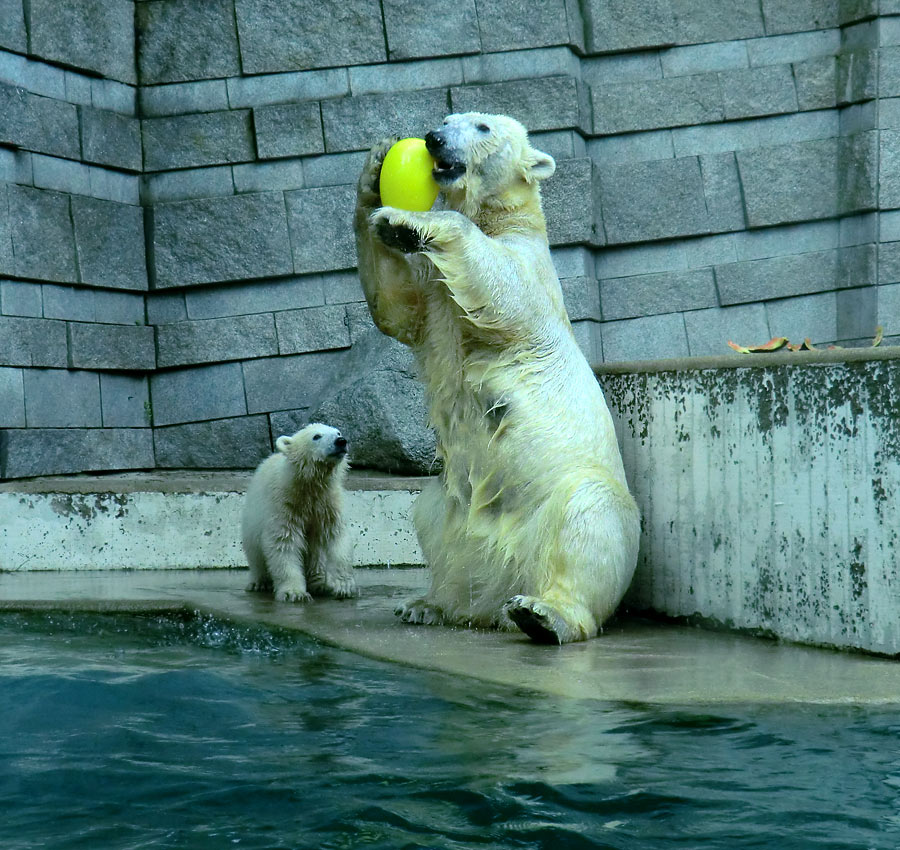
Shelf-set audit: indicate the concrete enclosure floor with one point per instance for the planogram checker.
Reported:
(633, 661)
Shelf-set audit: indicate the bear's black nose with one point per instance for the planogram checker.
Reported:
(340, 443)
(434, 142)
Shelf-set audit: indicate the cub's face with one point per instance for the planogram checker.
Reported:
(484, 155)
(316, 443)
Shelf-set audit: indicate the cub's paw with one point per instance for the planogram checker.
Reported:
(342, 587)
(262, 585)
(367, 189)
(292, 593)
(394, 231)
(540, 621)
(419, 612)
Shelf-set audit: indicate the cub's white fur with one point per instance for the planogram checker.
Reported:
(292, 526)
(531, 521)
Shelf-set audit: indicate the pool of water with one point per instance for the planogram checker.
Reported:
(136, 732)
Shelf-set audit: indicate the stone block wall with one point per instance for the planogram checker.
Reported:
(177, 180)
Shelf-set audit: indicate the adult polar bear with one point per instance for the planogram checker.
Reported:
(531, 521)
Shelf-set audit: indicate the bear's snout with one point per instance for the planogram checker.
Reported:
(340, 445)
(434, 142)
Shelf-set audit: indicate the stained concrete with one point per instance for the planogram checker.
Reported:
(634, 661)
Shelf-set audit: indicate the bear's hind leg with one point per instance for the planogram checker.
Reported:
(545, 622)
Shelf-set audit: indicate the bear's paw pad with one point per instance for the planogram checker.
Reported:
(541, 622)
(399, 236)
(419, 612)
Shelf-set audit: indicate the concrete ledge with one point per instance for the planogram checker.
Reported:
(634, 661)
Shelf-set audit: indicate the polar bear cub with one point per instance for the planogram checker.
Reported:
(531, 523)
(292, 524)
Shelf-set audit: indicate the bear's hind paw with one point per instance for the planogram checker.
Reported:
(419, 612)
(259, 586)
(292, 594)
(540, 621)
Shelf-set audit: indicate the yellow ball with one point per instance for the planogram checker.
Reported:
(406, 181)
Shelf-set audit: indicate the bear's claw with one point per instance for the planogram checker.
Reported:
(399, 236)
(538, 620)
(291, 594)
(418, 612)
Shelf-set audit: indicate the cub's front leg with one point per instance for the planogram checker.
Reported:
(412, 232)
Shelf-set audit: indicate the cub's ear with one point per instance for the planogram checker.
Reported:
(540, 166)
(282, 444)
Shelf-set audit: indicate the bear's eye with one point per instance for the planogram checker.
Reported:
(483, 128)
(317, 436)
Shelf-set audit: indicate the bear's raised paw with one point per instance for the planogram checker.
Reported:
(540, 621)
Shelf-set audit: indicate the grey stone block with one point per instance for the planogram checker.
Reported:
(12, 26)
(289, 129)
(61, 175)
(38, 123)
(568, 201)
(292, 35)
(587, 337)
(647, 338)
(405, 76)
(857, 10)
(653, 200)
(722, 189)
(41, 230)
(889, 308)
(203, 392)
(59, 398)
(116, 97)
(96, 35)
(722, 21)
(287, 88)
(119, 308)
(380, 407)
(218, 239)
(647, 295)
(758, 91)
(109, 239)
(857, 76)
(514, 24)
(560, 144)
(791, 182)
(889, 189)
(710, 330)
(268, 296)
(342, 288)
(181, 98)
(12, 398)
(543, 103)
(321, 230)
(188, 184)
(780, 49)
(790, 16)
(857, 313)
(110, 139)
(333, 169)
(702, 58)
(125, 401)
(75, 303)
(287, 383)
(32, 342)
(312, 329)
(612, 26)
(582, 298)
(812, 317)
(287, 422)
(15, 166)
(110, 185)
(359, 320)
(888, 264)
(221, 444)
(268, 176)
(357, 123)
(49, 451)
(126, 348)
(216, 340)
(671, 102)
(888, 72)
(521, 64)
(573, 261)
(411, 32)
(18, 298)
(164, 307)
(781, 277)
(816, 81)
(183, 141)
(858, 172)
(184, 40)
(632, 147)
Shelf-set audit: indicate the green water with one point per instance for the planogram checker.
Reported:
(145, 732)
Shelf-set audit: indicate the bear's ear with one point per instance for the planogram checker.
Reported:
(282, 444)
(540, 166)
